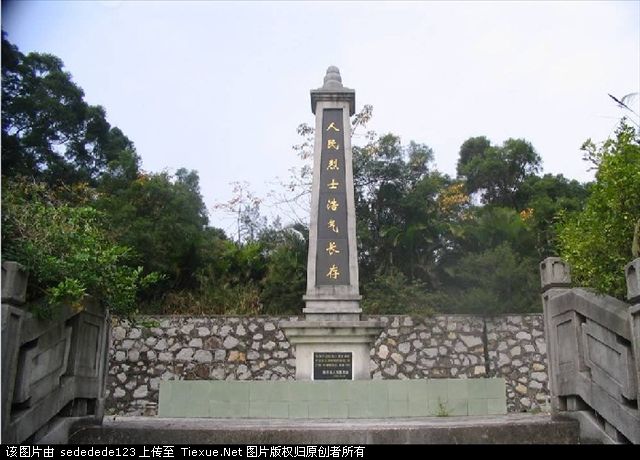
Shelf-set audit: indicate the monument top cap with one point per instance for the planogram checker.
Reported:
(332, 90)
(333, 78)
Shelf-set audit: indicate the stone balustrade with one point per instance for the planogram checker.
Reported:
(53, 370)
(593, 345)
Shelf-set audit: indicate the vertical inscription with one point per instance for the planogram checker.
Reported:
(332, 254)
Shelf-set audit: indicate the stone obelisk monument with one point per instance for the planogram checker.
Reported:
(332, 342)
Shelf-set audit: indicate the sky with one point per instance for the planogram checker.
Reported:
(220, 87)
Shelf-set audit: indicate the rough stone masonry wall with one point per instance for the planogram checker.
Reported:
(255, 348)
(518, 352)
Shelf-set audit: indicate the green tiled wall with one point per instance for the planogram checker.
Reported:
(332, 399)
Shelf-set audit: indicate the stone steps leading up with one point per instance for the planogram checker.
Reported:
(501, 429)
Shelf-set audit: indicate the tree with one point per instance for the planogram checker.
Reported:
(390, 292)
(49, 132)
(543, 200)
(396, 208)
(491, 261)
(244, 205)
(494, 281)
(497, 172)
(162, 217)
(597, 241)
(472, 148)
(285, 280)
(491, 226)
(490, 265)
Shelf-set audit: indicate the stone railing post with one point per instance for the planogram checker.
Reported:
(555, 277)
(632, 273)
(14, 283)
(14, 292)
(554, 273)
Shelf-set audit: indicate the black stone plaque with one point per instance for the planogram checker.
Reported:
(332, 366)
(332, 256)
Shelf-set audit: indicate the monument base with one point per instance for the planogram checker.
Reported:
(332, 349)
(332, 308)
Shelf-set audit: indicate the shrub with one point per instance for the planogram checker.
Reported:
(390, 292)
(597, 242)
(66, 250)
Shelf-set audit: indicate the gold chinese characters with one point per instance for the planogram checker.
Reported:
(332, 204)
(333, 272)
(333, 127)
(331, 225)
(336, 184)
(332, 248)
(333, 165)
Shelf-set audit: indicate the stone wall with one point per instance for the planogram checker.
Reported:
(517, 351)
(426, 348)
(454, 347)
(192, 348)
(255, 348)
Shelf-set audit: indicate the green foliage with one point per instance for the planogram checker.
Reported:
(497, 172)
(635, 246)
(67, 290)
(285, 280)
(66, 249)
(49, 132)
(542, 200)
(494, 281)
(443, 409)
(424, 248)
(148, 323)
(399, 217)
(472, 148)
(491, 226)
(265, 276)
(390, 292)
(226, 280)
(224, 299)
(161, 217)
(597, 242)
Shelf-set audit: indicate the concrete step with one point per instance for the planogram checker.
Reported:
(500, 429)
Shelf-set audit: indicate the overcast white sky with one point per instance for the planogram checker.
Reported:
(220, 87)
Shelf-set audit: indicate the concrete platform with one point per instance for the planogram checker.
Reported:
(326, 399)
(500, 429)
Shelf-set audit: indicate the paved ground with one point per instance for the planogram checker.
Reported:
(509, 429)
